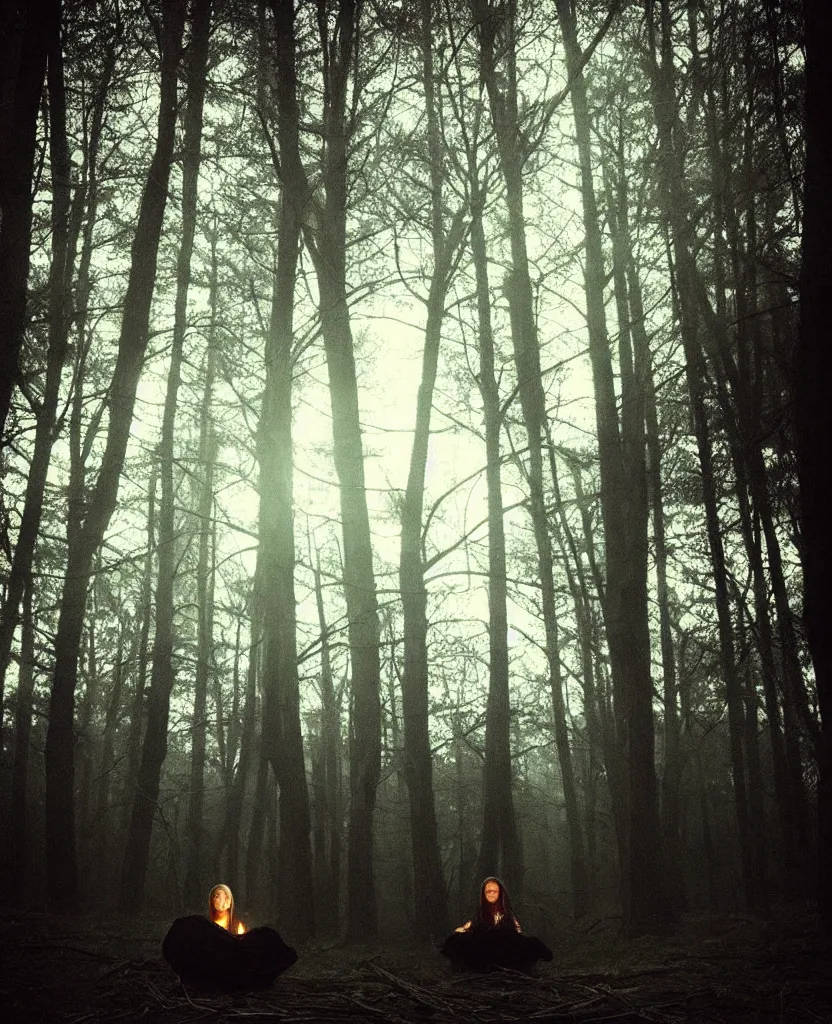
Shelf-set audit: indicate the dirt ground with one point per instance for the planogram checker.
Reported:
(708, 970)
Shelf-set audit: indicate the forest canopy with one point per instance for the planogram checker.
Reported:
(413, 463)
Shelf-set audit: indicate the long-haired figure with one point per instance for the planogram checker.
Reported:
(492, 936)
(218, 949)
(221, 910)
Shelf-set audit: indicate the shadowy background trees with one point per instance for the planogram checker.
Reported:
(413, 451)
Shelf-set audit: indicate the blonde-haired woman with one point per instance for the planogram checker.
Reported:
(218, 950)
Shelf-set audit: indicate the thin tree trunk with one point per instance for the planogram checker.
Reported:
(41, 38)
(625, 515)
(673, 763)
(234, 814)
(227, 737)
(504, 112)
(793, 828)
(632, 324)
(194, 881)
(257, 829)
(62, 870)
(756, 801)
(499, 846)
(282, 734)
(154, 746)
(18, 838)
(430, 906)
(779, 108)
(614, 767)
(134, 736)
(359, 583)
(329, 868)
(740, 404)
(581, 602)
(714, 892)
(673, 208)
(99, 857)
(228, 728)
(86, 741)
(11, 45)
(64, 238)
(326, 240)
(401, 852)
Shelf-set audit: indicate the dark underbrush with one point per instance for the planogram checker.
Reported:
(740, 969)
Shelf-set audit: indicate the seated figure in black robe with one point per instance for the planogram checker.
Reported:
(219, 950)
(492, 937)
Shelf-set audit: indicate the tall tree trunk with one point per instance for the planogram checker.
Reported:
(814, 410)
(756, 801)
(99, 857)
(62, 870)
(612, 755)
(632, 330)
(674, 209)
(85, 747)
(359, 578)
(257, 828)
(505, 117)
(282, 734)
(194, 881)
(582, 605)
(41, 38)
(792, 814)
(154, 745)
(740, 399)
(625, 517)
(12, 27)
(499, 845)
(430, 906)
(64, 238)
(134, 736)
(325, 232)
(328, 861)
(19, 839)
(401, 849)
(673, 761)
(228, 729)
(234, 814)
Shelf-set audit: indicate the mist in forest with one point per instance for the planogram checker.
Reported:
(414, 460)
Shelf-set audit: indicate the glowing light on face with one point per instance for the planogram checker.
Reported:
(492, 892)
(221, 900)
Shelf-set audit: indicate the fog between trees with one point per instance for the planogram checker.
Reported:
(413, 458)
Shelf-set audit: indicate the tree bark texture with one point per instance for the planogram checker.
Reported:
(60, 273)
(430, 905)
(281, 715)
(19, 839)
(324, 227)
(499, 845)
(195, 884)
(327, 773)
(625, 516)
(674, 208)
(154, 745)
(518, 288)
(40, 35)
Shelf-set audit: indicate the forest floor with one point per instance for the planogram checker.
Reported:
(726, 969)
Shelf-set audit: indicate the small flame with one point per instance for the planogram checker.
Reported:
(240, 928)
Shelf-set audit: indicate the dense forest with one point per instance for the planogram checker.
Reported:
(414, 428)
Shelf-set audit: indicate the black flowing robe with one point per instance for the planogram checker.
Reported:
(200, 950)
